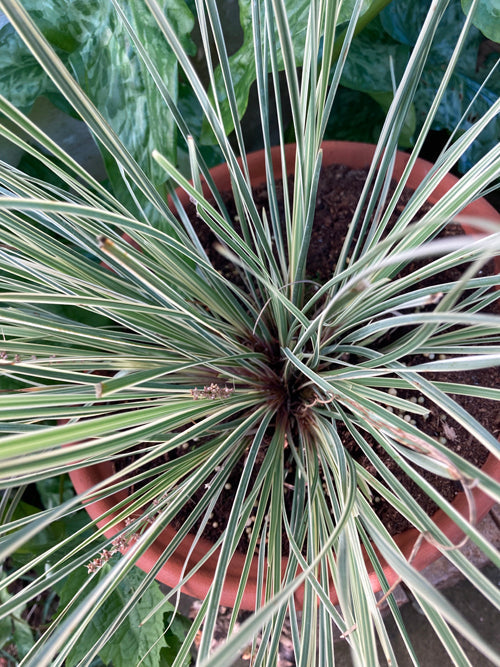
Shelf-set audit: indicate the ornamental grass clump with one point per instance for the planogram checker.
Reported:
(123, 341)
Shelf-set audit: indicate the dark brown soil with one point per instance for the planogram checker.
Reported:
(339, 192)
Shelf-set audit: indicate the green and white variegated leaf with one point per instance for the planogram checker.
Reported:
(91, 39)
(119, 85)
(21, 79)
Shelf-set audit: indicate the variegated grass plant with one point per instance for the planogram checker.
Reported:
(150, 326)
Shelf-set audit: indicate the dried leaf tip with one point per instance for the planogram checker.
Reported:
(104, 241)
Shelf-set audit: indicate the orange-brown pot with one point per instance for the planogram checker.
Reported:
(355, 155)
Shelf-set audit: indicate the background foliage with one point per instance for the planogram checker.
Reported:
(93, 43)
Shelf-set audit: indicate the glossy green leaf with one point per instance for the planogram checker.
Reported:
(368, 67)
(355, 117)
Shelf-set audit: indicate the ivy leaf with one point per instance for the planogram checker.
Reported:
(486, 17)
(15, 631)
(132, 642)
(51, 536)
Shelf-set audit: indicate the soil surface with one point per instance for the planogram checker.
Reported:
(339, 193)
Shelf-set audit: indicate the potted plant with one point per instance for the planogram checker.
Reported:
(354, 156)
(183, 379)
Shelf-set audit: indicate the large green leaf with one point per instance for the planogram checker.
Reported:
(367, 67)
(162, 130)
(390, 38)
(486, 17)
(22, 79)
(93, 42)
(131, 641)
(65, 26)
(401, 21)
(358, 116)
(355, 117)
(118, 83)
(458, 96)
(368, 70)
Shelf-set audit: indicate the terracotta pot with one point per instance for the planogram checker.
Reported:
(356, 155)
